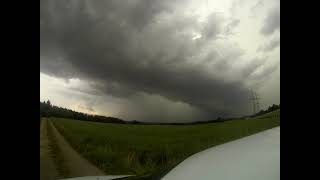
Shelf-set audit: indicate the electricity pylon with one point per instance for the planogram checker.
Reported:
(255, 102)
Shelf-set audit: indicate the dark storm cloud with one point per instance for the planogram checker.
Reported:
(125, 48)
(272, 22)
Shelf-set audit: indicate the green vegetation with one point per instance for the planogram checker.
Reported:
(148, 149)
(273, 114)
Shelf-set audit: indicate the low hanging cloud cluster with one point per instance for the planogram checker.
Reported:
(128, 48)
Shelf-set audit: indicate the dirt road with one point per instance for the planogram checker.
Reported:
(48, 169)
(74, 164)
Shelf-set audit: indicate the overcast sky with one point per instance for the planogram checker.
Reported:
(160, 60)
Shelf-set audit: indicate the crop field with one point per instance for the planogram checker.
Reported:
(147, 149)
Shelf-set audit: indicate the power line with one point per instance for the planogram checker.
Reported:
(255, 102)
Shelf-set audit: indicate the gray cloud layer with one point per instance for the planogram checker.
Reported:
(272, 22)
(270, 45)
(127, 48)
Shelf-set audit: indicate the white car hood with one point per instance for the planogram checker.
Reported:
(250, 158)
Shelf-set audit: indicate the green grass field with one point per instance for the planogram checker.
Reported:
(146, 149)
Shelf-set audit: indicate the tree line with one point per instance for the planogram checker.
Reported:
(49, 110)
(270, 109)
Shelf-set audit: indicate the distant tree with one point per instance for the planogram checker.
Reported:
(49, 103)
(48, 110)
(273, 107)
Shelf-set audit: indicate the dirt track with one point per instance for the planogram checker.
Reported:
(75, 164)
(48, 170)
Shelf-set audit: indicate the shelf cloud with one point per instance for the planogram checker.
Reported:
(152, 54)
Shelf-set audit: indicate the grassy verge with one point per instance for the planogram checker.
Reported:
(145, 150)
